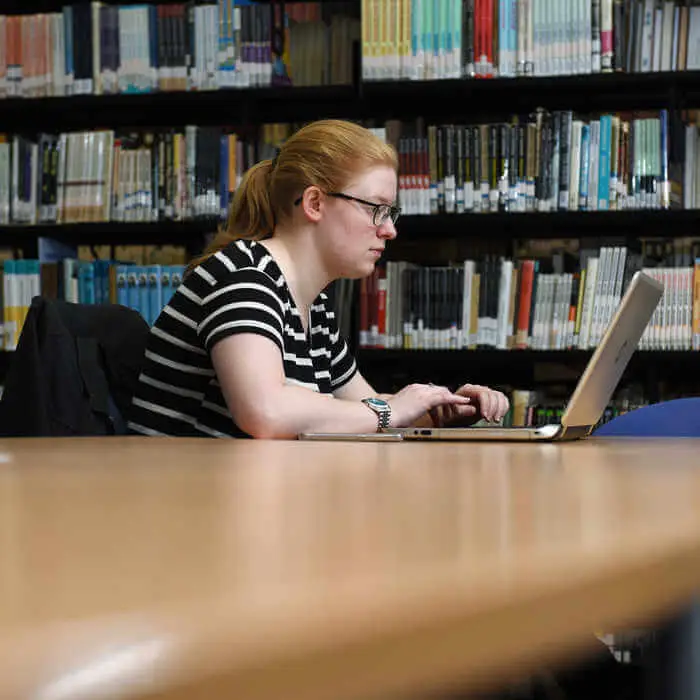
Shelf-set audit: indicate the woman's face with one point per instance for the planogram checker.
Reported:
(351, 242)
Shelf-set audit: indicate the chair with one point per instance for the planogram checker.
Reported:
(676, 418)
(74, 370)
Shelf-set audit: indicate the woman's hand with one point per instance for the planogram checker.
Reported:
(415, 400)
(485, 403)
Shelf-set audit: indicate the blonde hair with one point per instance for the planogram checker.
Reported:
(325, 153)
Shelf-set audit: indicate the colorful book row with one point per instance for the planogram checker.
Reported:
(506, 304)
(436, 39)
(94, 176)
(145, 289)
(95, 48)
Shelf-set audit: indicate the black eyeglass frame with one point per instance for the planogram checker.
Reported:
(392, 212)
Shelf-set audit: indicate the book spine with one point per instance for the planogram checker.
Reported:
(503, 39)
(575, 165)
(665, 197)
(503, 131)
(596, 38)
(468, 54)
(469, 162)
(459, 168)
(449, 168)
(604, 163)
(606, 36)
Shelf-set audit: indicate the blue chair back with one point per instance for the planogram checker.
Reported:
(676, 418)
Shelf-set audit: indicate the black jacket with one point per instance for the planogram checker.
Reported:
(74, 370)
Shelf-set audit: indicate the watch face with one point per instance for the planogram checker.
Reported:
(377, 403)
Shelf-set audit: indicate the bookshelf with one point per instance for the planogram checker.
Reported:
(435, 102)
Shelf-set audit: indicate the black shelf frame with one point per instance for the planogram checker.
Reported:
(191, 234)
(625, 225)
(473, 99)
(170, 110)
(519, 357)
(439, 100)
(22, 7)
(388, 370)
(619, 225)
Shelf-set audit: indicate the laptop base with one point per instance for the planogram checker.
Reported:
(545, 432)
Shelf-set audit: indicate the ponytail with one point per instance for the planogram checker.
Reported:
(325, 153)
(251, 217)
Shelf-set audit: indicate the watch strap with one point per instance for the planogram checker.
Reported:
(382, 410)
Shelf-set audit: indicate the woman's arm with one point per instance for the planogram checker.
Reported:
(356, 389)
(250, 370)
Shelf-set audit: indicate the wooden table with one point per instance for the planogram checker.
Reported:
(251, 569)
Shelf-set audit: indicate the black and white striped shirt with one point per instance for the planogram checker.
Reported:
(238, 290)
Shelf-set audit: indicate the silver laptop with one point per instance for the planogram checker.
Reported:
(592, 393)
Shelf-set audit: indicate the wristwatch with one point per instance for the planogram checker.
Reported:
(383, 411)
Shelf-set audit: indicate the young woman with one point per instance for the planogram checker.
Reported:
(249, 345)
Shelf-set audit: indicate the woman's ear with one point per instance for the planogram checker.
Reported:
(312, 203)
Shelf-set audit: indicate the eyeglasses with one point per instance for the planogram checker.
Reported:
(380, 212)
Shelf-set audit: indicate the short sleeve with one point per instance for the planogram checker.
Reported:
(245, 301)
(343, 365)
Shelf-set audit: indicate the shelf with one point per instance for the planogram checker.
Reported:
(459, 100)
(22, 7)
(161, 110)
(388, 370)
(559, 224)
(188, 233)
(522, 357)
(471, 99)
(630, 225)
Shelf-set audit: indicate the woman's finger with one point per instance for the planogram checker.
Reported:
(467, 411)
(503, 405)
(486, 404)
(447, 397)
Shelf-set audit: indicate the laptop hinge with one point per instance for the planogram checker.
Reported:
(575, 432)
